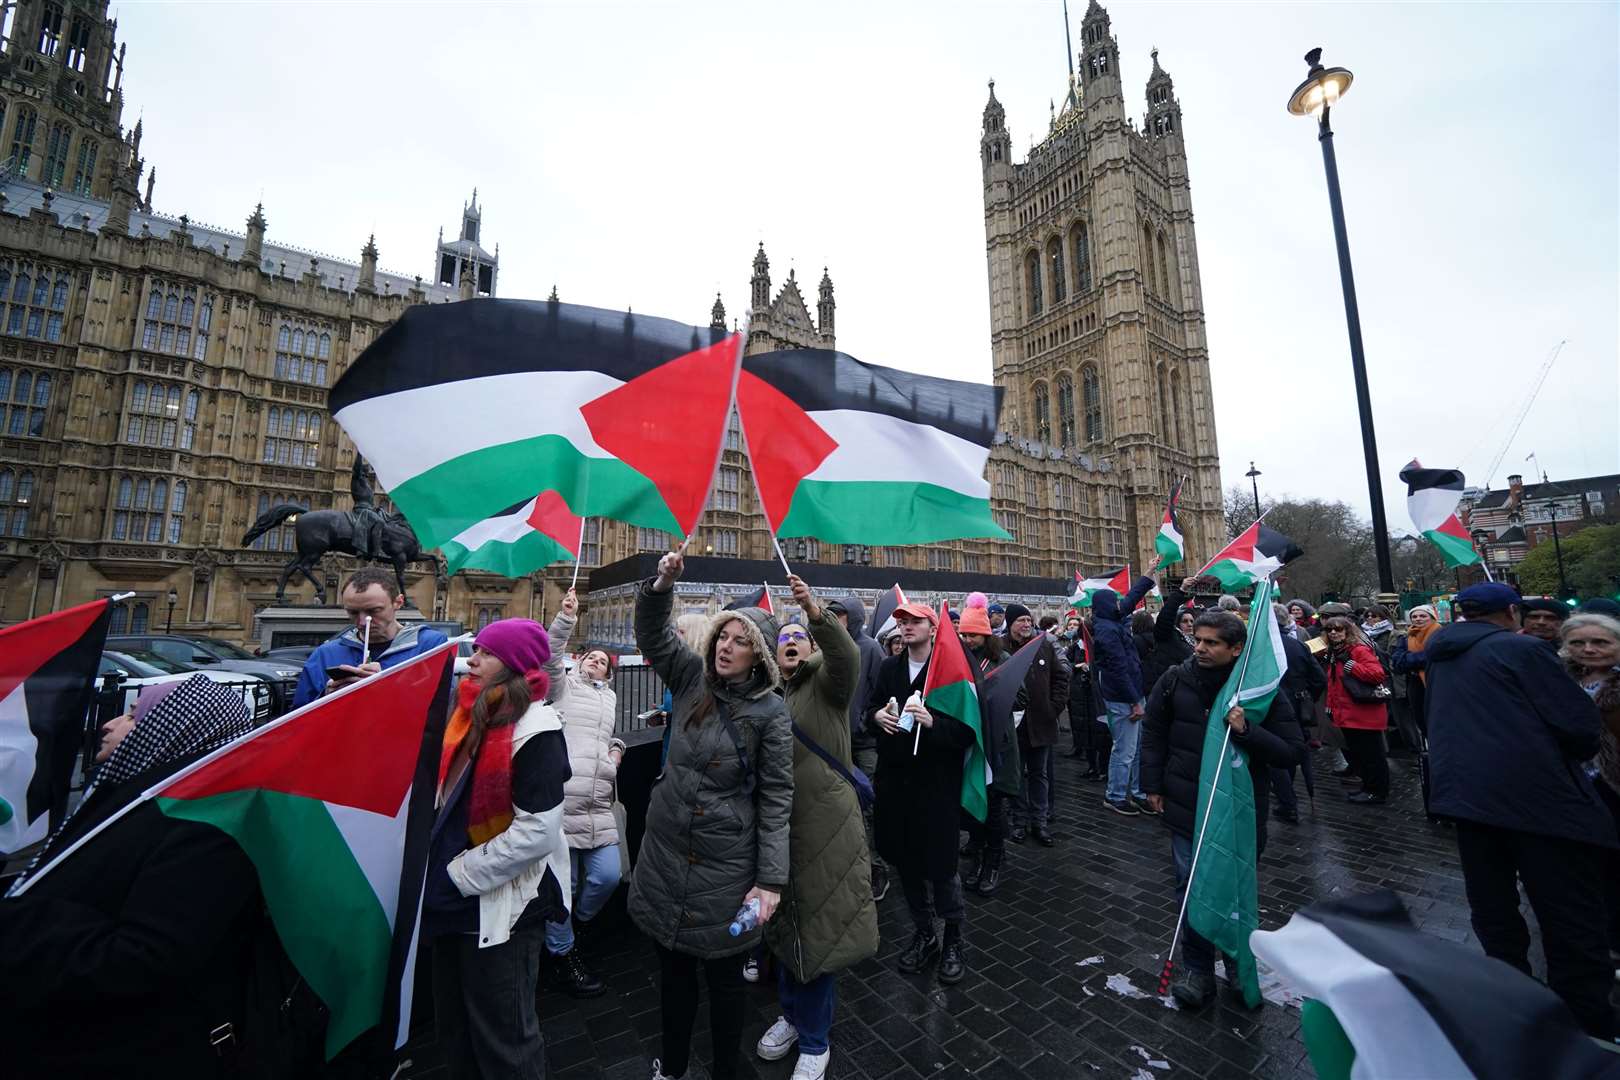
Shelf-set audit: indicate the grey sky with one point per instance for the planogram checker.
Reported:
(634, 154)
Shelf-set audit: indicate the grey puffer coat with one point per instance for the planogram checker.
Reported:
(706, 842)
(589, 712)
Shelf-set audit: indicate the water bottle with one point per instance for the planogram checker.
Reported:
(747, 918)
(907, 720)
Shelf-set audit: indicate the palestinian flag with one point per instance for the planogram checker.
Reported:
(1223, 901)
(1085, 588)
(951, 689)
(851, 453)
(1431, 499)
(759, 599)
(518, 540)
(998, 699)
(333, 803)
(1384, 999)
(468, 409)
(883, 611)
(1260, 552)
(1169, 543)
(47, 685)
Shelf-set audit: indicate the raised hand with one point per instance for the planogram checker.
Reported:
(570, 604)
(803, 596)
(670, 568)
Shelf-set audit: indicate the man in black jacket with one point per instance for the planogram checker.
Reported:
(1172, 757)
(1046, 694)
(863, 744)
(1302, 683)
(1508, 733)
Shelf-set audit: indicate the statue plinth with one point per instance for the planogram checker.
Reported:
(309, 624)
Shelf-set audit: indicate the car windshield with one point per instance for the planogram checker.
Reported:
(136, 664)
(162, 664)
(225, 649)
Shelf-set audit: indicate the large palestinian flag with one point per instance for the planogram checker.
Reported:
(1431, 499)
(467, 410)
(47, 685)
(333, 803)
(852, 453)
(1383, 999)
(1260, 552)
(950, 688)
(519, 539)
(1169, 543)
(1086, 587)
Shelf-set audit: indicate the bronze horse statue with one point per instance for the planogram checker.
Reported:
(320, 531)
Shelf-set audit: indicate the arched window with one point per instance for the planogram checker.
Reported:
(1091, 401)
(1163, 379)
(192, 401)
(22, 138)
(124, 489)
(1065, 396)
(42, 391)
(5, 383)
(120, 617)
(173, 406)
(84, 173)
(19, 291)
(59, 294)
(326, 347)
(42, 289)
(1054, 258)
(188, 311)
(1176, 396)
(314, 427)
(25, 383)
(1148, 280)
(5, 280)
(207, 321)
(1164, 268)
(171, 307)
(1080, 240)
(310, 343)
(298, 341)
(137, 401)
(160, 495)
(274, 424)
(1032, 275)
(8, 484)
(25, 486)
(1043, 413)
(143, 494)
(56, 155)
(178, 506)
(154, 305)
(282, 338)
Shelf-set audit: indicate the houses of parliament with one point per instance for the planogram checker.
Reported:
(163, 381)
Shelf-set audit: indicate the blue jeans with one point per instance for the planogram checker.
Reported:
(809, 1007)
(1035, 801)
(1124, 767)
(1197, 954)
(596, 875)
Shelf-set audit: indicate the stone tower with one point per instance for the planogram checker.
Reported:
(62, 98)
(1097, 327)
(463, 264)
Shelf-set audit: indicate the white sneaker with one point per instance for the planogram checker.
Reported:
(811, 1066)
(751, 970)
(777, 1040)
(693, 1072)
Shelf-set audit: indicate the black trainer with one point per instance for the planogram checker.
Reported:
(1017, 835)
(923, 950)
(569, 974)
(971, 879)
(1193, 989)
(951, 968)
(880, 883)
(990, 874)
(1043, 836)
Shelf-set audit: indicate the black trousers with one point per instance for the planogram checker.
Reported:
(1611, 879)
(678, 999)
(1564, 880)
(1365, 749)
(484, 1006)
(992, 832)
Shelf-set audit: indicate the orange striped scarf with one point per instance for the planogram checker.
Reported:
(489, 810)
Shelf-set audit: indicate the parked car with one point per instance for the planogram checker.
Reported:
(295, 653)
(198, 651)
(135, 669)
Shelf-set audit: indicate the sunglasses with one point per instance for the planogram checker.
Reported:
(791, 635)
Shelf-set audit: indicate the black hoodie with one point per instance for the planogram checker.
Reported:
(861, 738)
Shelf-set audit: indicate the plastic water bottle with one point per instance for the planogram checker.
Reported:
(747, 918)
(907, 721)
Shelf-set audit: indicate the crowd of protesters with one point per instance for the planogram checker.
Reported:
(800, 769)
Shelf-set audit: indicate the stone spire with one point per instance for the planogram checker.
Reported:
(761, 281)
(253, 250)
(825, 305)
(717, 314)
(368, 267)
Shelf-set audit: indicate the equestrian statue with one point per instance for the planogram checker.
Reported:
(365, 532)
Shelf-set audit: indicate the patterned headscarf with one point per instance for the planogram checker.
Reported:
(181, 720)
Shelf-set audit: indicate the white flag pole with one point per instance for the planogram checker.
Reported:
(579, 551)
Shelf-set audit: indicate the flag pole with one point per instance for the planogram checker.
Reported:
(365, 641)
(774, 541)
(579, 551)
(1198, 847)
(720, 450)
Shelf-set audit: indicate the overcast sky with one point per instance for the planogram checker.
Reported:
(635, 154)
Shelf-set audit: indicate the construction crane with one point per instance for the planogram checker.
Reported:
(1524, 411)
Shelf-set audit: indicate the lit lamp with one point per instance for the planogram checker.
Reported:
(1316, 96)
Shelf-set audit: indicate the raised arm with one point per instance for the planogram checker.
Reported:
(678, 666)
(561, 629)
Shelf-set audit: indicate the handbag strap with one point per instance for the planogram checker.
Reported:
(821, 752)
(748, 782)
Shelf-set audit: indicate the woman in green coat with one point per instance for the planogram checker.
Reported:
(828, 920)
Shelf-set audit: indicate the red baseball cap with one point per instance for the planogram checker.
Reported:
(918, 611)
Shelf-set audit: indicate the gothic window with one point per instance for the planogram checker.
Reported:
(188, 311)
(1080, 239)
(292, 437)
(1063, 494)
(282, 537)
(1091, 401)
(1065, 396)
(1175, 407)
(656, 540)
(1164, 268)
(78, 44)
(140, 619)
(154, 303)
(941, 558)
(295, 349)
(1007, 520)
(59, 294)
(1032, 273)
(27, 400)
(725, 541)
(1043, 413)
(171, 308)
(1065, 537)
(1032, 490)
(50, 29)
(119, 621)
(727, 493)
(1164, 404)
(1054, 256)
(1148, 280)
(56, 155)
(1006, 481)
(16, 493)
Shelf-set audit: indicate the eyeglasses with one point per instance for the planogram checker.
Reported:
(791, 635)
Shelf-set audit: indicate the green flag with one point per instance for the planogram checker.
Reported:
(1222, 898)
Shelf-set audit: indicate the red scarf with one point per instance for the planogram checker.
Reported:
(489, 810)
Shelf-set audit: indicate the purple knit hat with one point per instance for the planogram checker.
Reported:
(520, 644)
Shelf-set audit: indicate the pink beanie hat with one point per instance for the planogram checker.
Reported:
(521, 644)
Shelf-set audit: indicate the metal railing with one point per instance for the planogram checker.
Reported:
(639, 690)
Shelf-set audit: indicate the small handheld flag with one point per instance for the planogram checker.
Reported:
(1169, 541)
(1119, 581)
(1431, 499)
(1258, 553)
(951, 689)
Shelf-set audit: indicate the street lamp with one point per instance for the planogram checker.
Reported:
(168, 625)
(1254, 474)
(1316, 96)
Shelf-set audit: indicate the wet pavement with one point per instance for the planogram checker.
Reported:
(1062, 962)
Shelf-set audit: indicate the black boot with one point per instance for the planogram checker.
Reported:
(971, 879)
(922, 951)
(1193, 989)
(1043, 836)
(569, 974)
(951, 968)
(989, 874)
(1016, 834)
(971, 849)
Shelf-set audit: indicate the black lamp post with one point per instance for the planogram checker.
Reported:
(1254, 474)
(1316, 96)
(1558, 551)
(168, 624)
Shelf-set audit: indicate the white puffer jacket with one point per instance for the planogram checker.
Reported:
(589, 713)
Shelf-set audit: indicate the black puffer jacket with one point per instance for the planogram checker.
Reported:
(1173, 744)
(1169, 647)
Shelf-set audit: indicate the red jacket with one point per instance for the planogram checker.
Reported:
(1347, 712)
